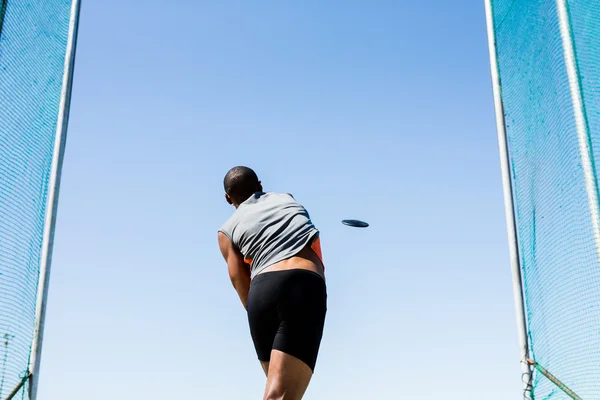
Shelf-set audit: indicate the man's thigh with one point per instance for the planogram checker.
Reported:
(288, 377)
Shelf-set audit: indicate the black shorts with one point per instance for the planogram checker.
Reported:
(286, 312)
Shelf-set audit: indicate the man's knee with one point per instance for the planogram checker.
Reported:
(277, 392)
(282, 390)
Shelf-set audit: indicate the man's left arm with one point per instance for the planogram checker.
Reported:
(239, 273)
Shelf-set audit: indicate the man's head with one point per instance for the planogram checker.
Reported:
(240, 183)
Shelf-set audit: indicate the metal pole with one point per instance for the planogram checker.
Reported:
(581, 123)
(53, 192)
(509, 205)
(554, 380)
(14, 392)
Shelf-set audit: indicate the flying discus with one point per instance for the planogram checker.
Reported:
(355, 223)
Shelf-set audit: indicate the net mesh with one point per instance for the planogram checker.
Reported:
(33, 38)
(560, 267)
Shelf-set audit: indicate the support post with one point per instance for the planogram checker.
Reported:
(509, 205)
(52, 201)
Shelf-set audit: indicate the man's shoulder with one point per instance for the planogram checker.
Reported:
(282, 195)
(227, 227)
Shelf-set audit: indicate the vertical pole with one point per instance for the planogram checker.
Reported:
(581, 123)
(508, 204)
(52, 201)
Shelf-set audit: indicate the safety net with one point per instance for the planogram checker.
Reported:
(33, 43)
(548, 59)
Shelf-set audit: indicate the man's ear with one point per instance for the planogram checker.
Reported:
(228, 199)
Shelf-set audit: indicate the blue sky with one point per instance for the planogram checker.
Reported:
(379, 110)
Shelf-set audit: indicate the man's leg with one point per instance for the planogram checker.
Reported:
(262, 315)
(265, 367)
(302, 309)
(287, 377)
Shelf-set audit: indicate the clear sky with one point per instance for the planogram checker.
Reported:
(378, 110)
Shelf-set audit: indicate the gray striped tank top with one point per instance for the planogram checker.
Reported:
(268, 228)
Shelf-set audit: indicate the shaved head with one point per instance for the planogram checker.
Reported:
(240, 183)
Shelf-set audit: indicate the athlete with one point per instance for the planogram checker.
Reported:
(273, 254)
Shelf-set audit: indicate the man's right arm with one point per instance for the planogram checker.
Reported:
(239, 273)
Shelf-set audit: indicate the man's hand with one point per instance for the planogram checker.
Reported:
(239, 272)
